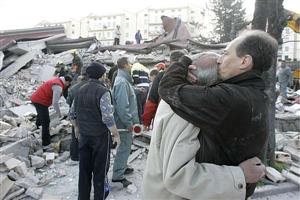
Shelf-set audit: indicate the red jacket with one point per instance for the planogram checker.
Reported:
(43, 95)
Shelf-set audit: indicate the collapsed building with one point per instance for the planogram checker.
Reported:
(28, 57)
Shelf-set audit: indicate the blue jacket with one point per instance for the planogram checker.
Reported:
(124, 101)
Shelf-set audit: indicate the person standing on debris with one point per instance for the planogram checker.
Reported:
(46, 95)
(153, 96)
(75, 67)
(284, 78)
(92, 116)
(126, 115)
(138, 37)
(73, 92)
(112, 73)
(117, 35)
(140, 75)
(216, 109)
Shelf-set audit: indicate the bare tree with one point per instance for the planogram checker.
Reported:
(269, 16)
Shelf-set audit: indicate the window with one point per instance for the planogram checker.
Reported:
(127, 25)
(73, 32)
(145, 15)
(127, 35)
(73, 25)
(108, 24)
(145, 31)
(286, 49)
(108, 34)
(114, 24)
(192, 11)
(108, 18)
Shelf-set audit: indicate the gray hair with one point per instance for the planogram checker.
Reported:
(206, 68)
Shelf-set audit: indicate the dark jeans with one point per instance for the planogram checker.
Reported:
(43, 120)
(141, 98)
(116, 41)
(94, 155)
(74, 152)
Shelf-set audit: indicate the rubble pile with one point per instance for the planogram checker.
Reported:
(287, 137)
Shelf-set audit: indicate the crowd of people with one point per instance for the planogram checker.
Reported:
(207, 112)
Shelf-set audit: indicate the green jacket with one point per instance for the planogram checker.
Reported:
(124, 101)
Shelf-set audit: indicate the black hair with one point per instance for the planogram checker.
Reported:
(261, 46)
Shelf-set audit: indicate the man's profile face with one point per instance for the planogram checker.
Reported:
(229, 62)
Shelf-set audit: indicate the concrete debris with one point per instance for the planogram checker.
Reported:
(35, 192)
(14, 194)
(12, 163)
(5, 185)
(17, 65)
(274, 175)
(283, 157)
(131, 189)
(4, 126)
(37, 161)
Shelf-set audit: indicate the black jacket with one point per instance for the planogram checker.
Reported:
(87, 108)
(232, 115)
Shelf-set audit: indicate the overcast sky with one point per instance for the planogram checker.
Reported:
(15, 14)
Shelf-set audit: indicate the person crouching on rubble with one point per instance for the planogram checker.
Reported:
(46, 95)
(91, 114)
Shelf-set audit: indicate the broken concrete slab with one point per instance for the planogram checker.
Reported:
(14, 194)
(21, 169)
(274, 175)
(4, 126)
(5, 185)
(37, 162)
(12, 163)
(295, 153)
(35, 192)
(17, 65)
(290, 176)
(18, 148)
(283, 157)
(23, 110)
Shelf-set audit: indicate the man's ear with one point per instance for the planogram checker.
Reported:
(247, 63)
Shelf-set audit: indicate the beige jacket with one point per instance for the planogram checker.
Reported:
(172, 172)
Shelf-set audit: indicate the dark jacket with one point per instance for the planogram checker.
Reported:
(152, 101)
(232, 114)
(87, 108)
(73, 91)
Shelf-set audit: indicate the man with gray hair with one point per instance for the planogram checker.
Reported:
(173, 147)
(232, 115)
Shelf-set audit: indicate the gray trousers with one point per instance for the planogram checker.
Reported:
(123, 152)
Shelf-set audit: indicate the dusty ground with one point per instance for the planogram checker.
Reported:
(66, 186)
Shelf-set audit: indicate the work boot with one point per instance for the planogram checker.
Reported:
(128, 171)
(124, 182)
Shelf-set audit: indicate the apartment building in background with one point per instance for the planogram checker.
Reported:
(290, 48)
(147, 20)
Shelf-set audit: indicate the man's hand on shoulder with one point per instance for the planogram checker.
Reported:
(253, 170)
